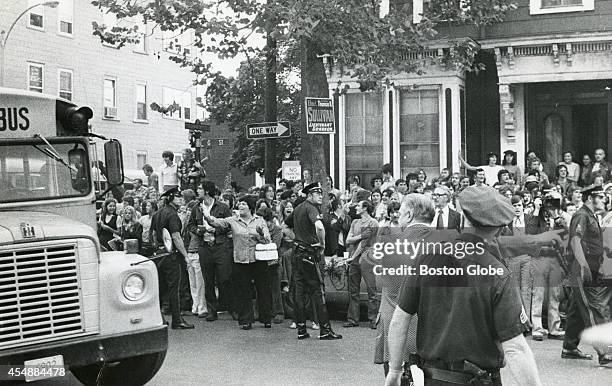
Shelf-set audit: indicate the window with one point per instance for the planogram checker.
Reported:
(537, 7)
(141, 159)
(141, 46)
(363, 131)
(141, 102)
(419, 131)
(181, 101)
(110, 98)
(35, 77)
(36, 19)
(187, 106)
(65, 14)
(65, 84)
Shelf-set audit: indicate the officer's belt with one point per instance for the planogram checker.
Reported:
(304, 247)
(458, 377)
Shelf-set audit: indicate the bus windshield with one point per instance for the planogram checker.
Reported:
(43, 171)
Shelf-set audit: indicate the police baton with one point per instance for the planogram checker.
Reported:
(152, 258)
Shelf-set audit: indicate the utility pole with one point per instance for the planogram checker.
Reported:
(270, 96)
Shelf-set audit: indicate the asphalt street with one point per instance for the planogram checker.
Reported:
(219, 353)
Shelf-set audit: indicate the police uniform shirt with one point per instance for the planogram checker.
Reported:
(463, 317)
(585, 225)
(166, 218)
(304, 217)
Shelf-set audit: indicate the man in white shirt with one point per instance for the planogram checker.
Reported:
(490, 170)
(168, 172)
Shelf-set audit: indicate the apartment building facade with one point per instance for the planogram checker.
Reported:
(53, 50)
(546, 87)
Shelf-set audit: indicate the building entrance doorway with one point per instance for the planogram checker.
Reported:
(568, 116)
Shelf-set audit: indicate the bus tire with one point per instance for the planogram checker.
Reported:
(135, 371)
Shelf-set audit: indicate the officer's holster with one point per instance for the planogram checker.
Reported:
(460, 373)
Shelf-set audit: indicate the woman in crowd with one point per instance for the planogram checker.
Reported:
(509, 163)
(422, 177)
(285, 255)
(107, 225)
(391, 219)
(586, 171)
(276, 234)
(380, 209)
(416, 219)
(563, 181)
(531, 155)
(268, 194)
(247, 231)
(130, 227)
(149, 207)
(573, 169)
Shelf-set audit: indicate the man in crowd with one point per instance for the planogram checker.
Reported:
(170, 267)
(216, 250)
(601, 166)
(490, 317)
(387, 178)
(191, 171)
(490, 170)
(168, 172)
(590, 295)
(306, 220)
(445, 217)
(152, 177)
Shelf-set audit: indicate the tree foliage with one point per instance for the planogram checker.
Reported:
(239, 101)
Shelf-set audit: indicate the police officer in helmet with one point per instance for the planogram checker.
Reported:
(309, 246)
(169, 267)
(470, 324)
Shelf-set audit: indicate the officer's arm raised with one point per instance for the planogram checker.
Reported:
(520, 362)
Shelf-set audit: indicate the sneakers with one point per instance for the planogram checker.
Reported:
(314, 326)
(350, 324)
(302, 332)
(293, 325)
(537, 335)
(604, 359)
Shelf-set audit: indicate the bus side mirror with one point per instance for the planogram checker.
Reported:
(78, 172)
(113, 158)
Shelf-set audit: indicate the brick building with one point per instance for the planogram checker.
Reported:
(546, 87)
(53, 50)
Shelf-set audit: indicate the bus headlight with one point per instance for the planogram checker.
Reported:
(134, 287)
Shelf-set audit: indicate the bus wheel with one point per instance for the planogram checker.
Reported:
(135, 371)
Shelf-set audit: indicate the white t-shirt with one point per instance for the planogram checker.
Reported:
(168, 175)
(491, 173)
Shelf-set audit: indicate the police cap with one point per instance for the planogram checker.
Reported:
(315, 187)
(592, 190)
(171, 192)
(485, 207)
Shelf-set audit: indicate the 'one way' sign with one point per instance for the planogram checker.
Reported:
(265, 130)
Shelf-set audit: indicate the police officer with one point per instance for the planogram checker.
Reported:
(170, 266)
(306, 221)
(469, 323)
(589, 294)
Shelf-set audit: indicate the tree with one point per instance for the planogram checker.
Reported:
(361, 43)
(239, 101)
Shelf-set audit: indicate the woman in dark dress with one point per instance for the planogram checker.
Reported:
(107, 225)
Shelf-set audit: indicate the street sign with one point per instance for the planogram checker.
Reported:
(292, 171)
(266, 130)
(320, 117)
(197, 125)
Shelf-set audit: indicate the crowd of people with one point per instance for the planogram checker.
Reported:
(221, 231)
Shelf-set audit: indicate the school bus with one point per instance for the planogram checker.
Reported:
(65, 305)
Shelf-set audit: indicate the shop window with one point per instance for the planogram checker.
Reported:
(557, 6)
(364, 134)
(419, 131)
(35, 77)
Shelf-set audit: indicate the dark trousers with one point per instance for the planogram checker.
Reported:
(244, 274)
(588, 307)
(184, 291)
(356, 272)
(216, 263)
(308, 284)
(169, 269)
(275, 287)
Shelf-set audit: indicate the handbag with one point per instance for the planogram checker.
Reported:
(266, 252)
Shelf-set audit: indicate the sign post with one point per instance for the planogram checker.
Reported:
(320, 118)
(266, 130)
